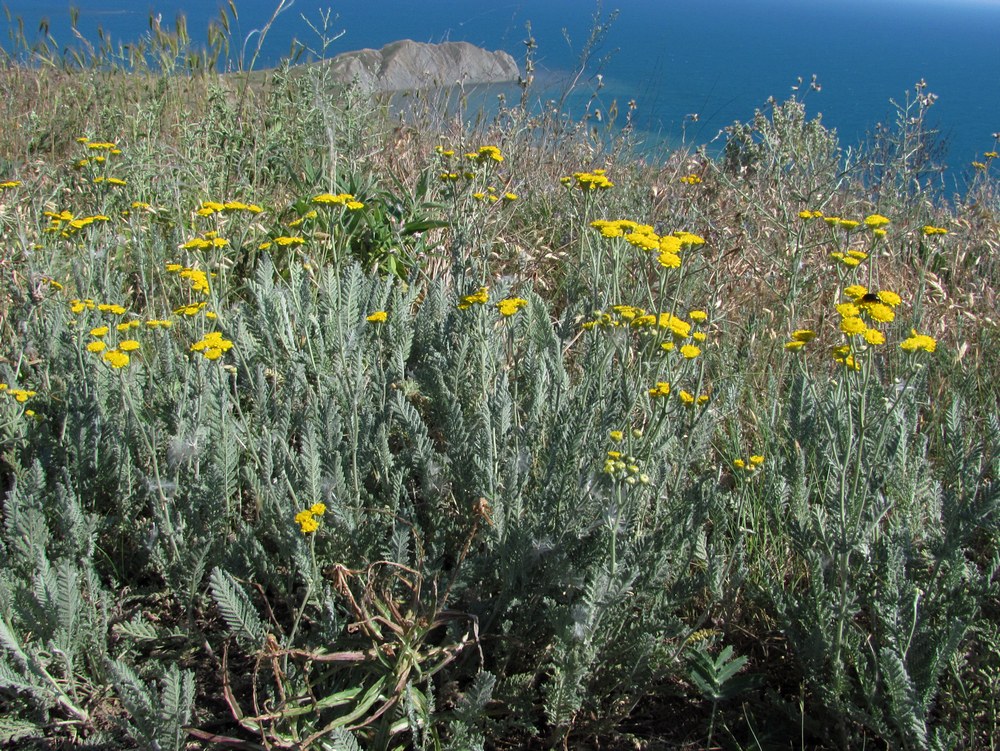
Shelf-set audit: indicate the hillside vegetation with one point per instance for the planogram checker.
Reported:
(323, 427)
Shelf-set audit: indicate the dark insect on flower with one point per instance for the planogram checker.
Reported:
(869, 297)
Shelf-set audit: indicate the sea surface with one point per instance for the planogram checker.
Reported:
(718, 60)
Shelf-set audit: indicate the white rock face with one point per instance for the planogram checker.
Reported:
(408, 65)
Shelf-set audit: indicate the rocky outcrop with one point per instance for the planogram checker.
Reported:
(408, 65)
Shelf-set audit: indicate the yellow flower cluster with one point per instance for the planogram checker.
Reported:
(486, 154)
(799, 339)
(66, 225)
(637, 318)
(619, 466)
(19, 395)
(197, 277)
(850, 259)
(480, 297)
(691, 179)
(493, 196)
(110, 181)
(192, 309)
(511, 306)
(208, 240)
(208, 208)
(588, 181)
(307, 518)
(311, 214)
(347, 200)
(750, 464)
(117, 357)
(918, 342)
(662, 390)
(78, 306)
(284, 241)
(644, 237)
(7, 184)
(379, 316)
(875, 222)
(929, 230)
(689, 400)
(212, 345)
(81, 163)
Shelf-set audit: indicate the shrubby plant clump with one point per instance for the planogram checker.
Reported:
(322, 429)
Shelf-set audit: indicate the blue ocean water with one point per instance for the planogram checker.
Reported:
(718, 59)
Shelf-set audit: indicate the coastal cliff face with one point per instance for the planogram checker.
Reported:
(408, 65)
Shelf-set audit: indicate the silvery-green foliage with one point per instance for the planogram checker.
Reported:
(158, 710)
(884, 601)
(236, 608)
(54, 619)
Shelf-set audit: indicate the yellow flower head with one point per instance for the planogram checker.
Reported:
(660, 390)
(511, 306)
(876, 221)
(479, 297)
(116, 358)
(918, 342)
(379, 316)
(852, 326)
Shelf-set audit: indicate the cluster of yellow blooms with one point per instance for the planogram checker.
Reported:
(8, 184)
(283, 241)
(212, 345)
(750, 464)
(482, 155)
(306, 519)
(492, 196)
(620, 466)
(208, 240)
(347, 200)
(850, 259)
(208, 208)
(197, 277)
(66, 225)
(511, 306)
(480, 297)
(107, 146)
(644, 237)
(929, 230)
(857, 313)
(588, 181)
(874, 222)
(309, 215)
(379, 316)
(78, 306)
(507, 307)
(691, 179)
(629, 316)
(989, 156)
(486, 154)
(117, 357)
(916, 342)
(662, 390)
(20, 395)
